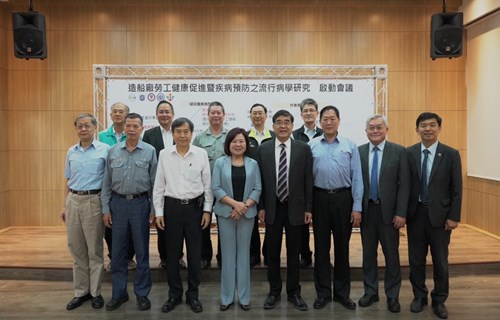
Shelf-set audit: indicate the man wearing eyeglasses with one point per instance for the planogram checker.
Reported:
(286, 202)
(309, 131)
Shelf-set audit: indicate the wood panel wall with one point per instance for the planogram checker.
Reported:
(4, 182)
(44, 96)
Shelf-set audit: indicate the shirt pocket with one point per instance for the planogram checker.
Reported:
(117, 169)
(192, 174)
(142, 171)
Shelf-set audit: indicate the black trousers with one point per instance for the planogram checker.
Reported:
(305, 250)
(332, 215)
(274, 238)
(182, 222)
(421, 236)
(255, 241)
(373, 231)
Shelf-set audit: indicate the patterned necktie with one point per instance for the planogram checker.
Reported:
(424, 196)
(374, 177)
(282, 175)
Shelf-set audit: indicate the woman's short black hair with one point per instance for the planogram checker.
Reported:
(230, 137)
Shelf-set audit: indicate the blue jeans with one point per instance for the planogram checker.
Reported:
(130, 216)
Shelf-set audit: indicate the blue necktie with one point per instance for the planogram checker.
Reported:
(374, 177)
(282, 176)
(424, 195)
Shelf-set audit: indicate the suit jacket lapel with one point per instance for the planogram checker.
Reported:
(385, 157)
(437, 160)
(228, 170)
(364, 154)
(292, 155)
(160, 138)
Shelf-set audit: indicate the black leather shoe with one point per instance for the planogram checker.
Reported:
(245, 307)
(170, 304)
(305, 263)
(205, 264)
(97, 302)
(224, 307)
(114, 304)
(195, 305)
(254, 261)
(346, 303)
(270, 302)
(417, 305)
(182, 265)
(440, 310)
(393, 305)
(77, 301)
(163, 264)
(143, 303)
(367, 300)
(320, 302)
(298, 302)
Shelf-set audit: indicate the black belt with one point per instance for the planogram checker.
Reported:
(377, 202)
(332, 191)
(197, 201)
(130, 196)
(85, 192)
(423, 204)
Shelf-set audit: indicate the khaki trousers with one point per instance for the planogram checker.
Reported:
(85, 233)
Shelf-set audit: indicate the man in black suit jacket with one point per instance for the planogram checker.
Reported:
(433, 211)
(286, 201)
(159, 137)
(309, 131)
(385, 202)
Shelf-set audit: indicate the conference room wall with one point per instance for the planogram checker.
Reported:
(43, 97)
(4, 185)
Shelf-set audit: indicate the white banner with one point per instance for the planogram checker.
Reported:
(355, 98)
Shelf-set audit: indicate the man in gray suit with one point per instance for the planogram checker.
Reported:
(286, 202)
(385, 201)
(433, 211)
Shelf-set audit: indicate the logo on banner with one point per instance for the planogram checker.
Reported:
(161, 96)
(142, 97)
(151, 97)
(131, 97)
(170, 97)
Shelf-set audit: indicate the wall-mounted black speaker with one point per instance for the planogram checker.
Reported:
(29, 35)
(446, 35)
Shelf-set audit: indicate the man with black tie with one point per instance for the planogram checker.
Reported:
(385, 201)
(433, 211)
(309, 131)
(159, 137)
(338, 193)
(286, 202)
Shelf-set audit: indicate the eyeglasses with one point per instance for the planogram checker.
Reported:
(85, 126)
(283, 123)
(309, 111)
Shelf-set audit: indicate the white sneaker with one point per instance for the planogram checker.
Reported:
(131, 265)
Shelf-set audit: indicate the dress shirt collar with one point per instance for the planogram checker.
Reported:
(287, 143)
(380, 146)
(432, 148)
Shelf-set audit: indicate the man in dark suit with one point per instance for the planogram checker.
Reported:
(286, 202)
(309, 131)
(433, 211)
(159, 137)
(385, 201)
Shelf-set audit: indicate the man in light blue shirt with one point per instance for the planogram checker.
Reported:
(338, 195)
(84, 172)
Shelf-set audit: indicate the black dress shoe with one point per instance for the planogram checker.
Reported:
(305, 263)
(346, 303)
(417, 305)
(163, 264)
(298, 302)
(97, 302)
(195, 305)
(205, 264)
(367, 300)
(114, 303)
(143, 303)
(440, 310)
(224, 307)
(270, 302)
(254, 261)
(170, 304)
(320, 302)
(393, 305)
(77, 301)
(245, 307)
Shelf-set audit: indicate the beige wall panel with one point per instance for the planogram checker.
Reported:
(314, 48)
(213, 44)
(4, 172)
(175, 48)
(3, 89)
(31, 170)
(86, 17)
(33, 208)
(406, 90)
(138, 46)
(58, 162)
(249, 48)
(402, 18)
(60, 46)
(109, 18)
(239, 18)
(5, 214)
(4, 131)
(63, 130)
(368, 48)
(405, 51)
(109, 47)
(397, 126)
(445, 91)
(307, 19)
(4, 37)
(62, 88)
(83, 92)
(30, 130)
(28, 90)
(368, 19)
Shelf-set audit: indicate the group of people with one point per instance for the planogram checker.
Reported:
(287, 179)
